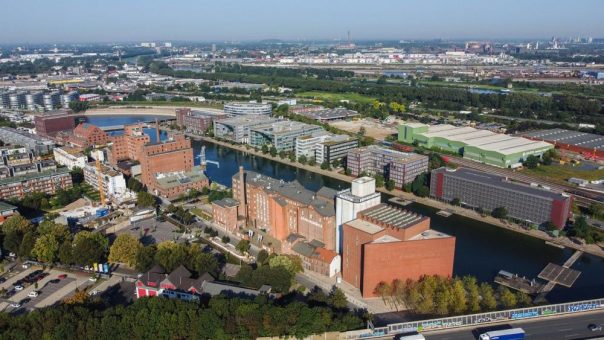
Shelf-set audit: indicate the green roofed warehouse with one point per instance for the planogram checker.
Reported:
(483, 146)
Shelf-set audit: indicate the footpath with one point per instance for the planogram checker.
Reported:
(592, 249)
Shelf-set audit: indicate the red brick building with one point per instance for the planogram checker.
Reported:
(284, 208)
(385, 243)
(197, 122)
(129, 145)
(86, 134)
(225, 213)
(50, 123)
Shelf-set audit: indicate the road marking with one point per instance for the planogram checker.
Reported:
(571, 335)
(565, 329)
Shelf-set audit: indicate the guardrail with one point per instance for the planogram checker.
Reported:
(479, 319)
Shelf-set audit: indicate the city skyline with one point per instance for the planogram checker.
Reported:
(186, 20)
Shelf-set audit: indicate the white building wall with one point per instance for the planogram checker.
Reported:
(70, 161)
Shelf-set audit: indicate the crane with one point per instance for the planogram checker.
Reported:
(99, 175)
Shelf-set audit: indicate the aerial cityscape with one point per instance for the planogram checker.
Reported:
(318, 170)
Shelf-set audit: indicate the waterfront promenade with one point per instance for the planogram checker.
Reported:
(562, 241)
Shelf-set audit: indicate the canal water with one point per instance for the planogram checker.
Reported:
(481, 250)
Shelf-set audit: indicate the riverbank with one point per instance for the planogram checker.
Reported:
(142, 110)
(562, 241)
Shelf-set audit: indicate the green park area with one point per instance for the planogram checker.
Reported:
(561, 173)
(336, 97)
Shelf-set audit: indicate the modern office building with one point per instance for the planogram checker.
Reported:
(325, 146)
(350, 202)
(47, 182)
(483, 146)
(17, 100)
(241, 108)
(114, 184)
(402, 167)
(238, 129)
(281, 134)
(385, 243)
(71, 96)
(51, 123)
(38, 145)
(34, 100)
(52, 101)
(197, 122)
(281, 209)
(478, 189)
(70, 157)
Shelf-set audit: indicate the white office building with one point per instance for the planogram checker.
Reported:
(349, 202)
(242, 108)
(114, 184)
(70, 158)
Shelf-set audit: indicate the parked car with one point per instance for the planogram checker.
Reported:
(18, 288)
(54, 281)
(595, 328)
(25, 266)
(2, 280)
(94, 292)
(15, 305)
(33, 294)
(62, 276)
(92, 279)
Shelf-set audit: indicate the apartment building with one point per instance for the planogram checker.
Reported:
(113, 182)
(238, 129)
(394, 165)
(197, 122)
(47, 182)
(86, 134)
(39, 145)
(129, 145)
(70, 157)
(225, 213)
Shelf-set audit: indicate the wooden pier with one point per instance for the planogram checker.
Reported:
(552, 274)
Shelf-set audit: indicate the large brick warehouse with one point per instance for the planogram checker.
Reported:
(385, 243)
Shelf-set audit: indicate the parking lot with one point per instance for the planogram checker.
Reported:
(34, 287)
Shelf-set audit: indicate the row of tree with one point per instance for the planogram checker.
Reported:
(442, 296)
(159, 318)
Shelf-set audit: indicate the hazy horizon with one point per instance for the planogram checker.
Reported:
(72, 21)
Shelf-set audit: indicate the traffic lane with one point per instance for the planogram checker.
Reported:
(51, 293)
(568, 327)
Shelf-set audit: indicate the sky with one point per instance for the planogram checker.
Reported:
(58, 21)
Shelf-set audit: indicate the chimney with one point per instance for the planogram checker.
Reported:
(157, 130)
(241, 197)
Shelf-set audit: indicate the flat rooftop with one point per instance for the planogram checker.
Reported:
(580, 139)
(392, 216)
(500, 182)
(484, 139)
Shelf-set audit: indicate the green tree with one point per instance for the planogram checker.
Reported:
(456, 202)
(89, 248)
(523, 299)
(46, 248)
(488, 302)
(379, 181)
(170, 255)
(27, 244)
(145, 258)
(264, 149)
(292, 263)
(17, 223)
(124, 250)
(384, 290)
(77, 175)
(273, 151)
(500, 212)
(203, 262)
(596, 209)
(243, 246)
(312, 161)
(473, 294)
(78, 106)
(302, 159)
(507, 298)
(325, 165)
(390, 185)
(66, 252)
(337, 299)
(145, 199)
(262, 257)
(459, 297)
(531, 162)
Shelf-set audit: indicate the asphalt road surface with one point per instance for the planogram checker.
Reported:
(564, 328)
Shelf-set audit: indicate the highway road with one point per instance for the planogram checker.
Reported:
(568, 327)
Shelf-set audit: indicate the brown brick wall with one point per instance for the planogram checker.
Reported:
(406, 260)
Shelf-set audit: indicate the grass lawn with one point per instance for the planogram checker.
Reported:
(561, 173)
(199, 213)
(327, 96)
(90, 192)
